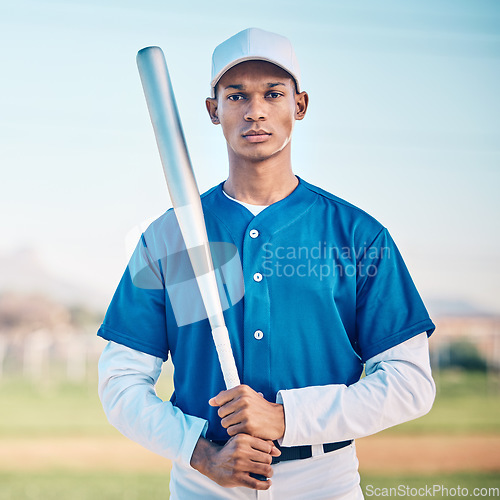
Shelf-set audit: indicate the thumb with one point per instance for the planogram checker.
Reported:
(275, 452)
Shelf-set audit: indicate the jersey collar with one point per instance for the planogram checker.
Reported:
(272, 219)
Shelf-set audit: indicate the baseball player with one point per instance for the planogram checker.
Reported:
(314, 289)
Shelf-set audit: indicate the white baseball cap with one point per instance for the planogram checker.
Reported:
(254, 44)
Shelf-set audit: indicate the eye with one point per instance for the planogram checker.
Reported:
(235, 97)
(274, 95)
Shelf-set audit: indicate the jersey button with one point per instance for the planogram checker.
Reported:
(257, 277)
(254, 233)
(258, 334)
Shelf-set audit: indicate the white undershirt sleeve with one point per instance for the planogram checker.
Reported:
(126, 387)
(398, 387)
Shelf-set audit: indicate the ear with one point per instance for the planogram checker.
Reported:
(301, 103)
(211, 105)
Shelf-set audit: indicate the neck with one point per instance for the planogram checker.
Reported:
(260, 182)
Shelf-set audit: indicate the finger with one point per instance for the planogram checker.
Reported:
(215, 400)
(263, 445)
(260, 469)
(225, 396)
(234, 430)
(275, 451)
(241, 428)
(259, 457)
(228, 408)
(221, 399)
(254, 484)
(250, 454)
(228, 417)
(252, 449)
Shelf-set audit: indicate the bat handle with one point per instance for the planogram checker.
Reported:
(223, 346)
(226, 358)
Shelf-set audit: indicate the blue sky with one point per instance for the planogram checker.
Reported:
(403, 122)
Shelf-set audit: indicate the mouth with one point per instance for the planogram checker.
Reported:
(256, 135)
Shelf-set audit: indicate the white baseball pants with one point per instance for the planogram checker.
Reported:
(324, 476)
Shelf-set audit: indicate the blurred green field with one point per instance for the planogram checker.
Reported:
(63, 485)
(467, 404)
(57, 408)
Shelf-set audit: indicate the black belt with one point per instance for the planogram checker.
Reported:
(299, 452)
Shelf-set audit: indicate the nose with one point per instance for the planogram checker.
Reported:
(255, 110)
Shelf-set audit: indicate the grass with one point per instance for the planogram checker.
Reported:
(57, 408)
(467, 403)
(64, 485)
(57, 485)
(63, 409)
(465, 415)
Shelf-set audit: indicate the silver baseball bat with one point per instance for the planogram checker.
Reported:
(185, 196)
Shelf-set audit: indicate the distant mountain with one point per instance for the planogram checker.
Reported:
(23, 271)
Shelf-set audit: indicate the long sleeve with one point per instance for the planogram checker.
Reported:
(398, 387)
(126, 388)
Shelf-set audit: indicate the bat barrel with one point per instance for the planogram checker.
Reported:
(185, 196)
(167, 125)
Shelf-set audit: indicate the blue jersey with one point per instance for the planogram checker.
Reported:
(311, 287)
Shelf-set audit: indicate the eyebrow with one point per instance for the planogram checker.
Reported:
(242, 87)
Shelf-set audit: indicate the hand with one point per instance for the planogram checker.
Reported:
(230, 465)
(243, 410)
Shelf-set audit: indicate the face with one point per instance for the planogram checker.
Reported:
(257, 106)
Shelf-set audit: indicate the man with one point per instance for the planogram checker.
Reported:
(326, 293)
